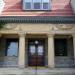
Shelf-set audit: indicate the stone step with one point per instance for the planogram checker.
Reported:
(39, 71)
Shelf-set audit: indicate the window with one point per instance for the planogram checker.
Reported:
(37, 4)
(60, 47)
(46, 4)
(27, 4)
(11, 47)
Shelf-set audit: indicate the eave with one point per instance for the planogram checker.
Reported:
(39, 19)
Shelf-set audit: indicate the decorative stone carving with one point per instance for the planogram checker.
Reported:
(22, 34)
(64, 26)
(10, 26)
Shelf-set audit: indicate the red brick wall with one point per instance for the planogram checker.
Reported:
(59, 8)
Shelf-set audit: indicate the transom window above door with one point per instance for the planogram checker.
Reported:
(37, 4)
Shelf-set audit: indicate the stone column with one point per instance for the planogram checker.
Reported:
(74, 44)
(51, 51)
(21, 61)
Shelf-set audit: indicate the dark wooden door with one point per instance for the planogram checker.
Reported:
(36, 53)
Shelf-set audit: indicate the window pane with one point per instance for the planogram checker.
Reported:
(12, 48)
(45, 5)
(40, 50)
(36, 5)
(27, 5)
(32, 49)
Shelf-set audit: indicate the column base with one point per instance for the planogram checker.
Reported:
(21, 66)
(51, 66)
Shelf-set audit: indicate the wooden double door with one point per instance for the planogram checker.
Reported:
(36, 52)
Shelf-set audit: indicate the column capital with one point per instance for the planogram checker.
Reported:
(22, 34)
(50, 35)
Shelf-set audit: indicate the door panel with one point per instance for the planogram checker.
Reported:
(40, 55)
(31, 55)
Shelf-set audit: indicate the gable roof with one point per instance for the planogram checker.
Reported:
(59, 8)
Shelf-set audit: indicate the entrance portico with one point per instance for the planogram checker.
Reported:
(37, 43)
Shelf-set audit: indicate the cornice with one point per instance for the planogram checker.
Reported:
(39, 19)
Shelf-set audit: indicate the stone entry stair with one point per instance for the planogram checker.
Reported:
(40, 71)
(64, 62)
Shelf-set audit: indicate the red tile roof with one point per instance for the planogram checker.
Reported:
(59, 8)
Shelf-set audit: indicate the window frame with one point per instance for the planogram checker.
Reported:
(41, 5)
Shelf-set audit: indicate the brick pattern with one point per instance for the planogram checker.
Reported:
(59, 8)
